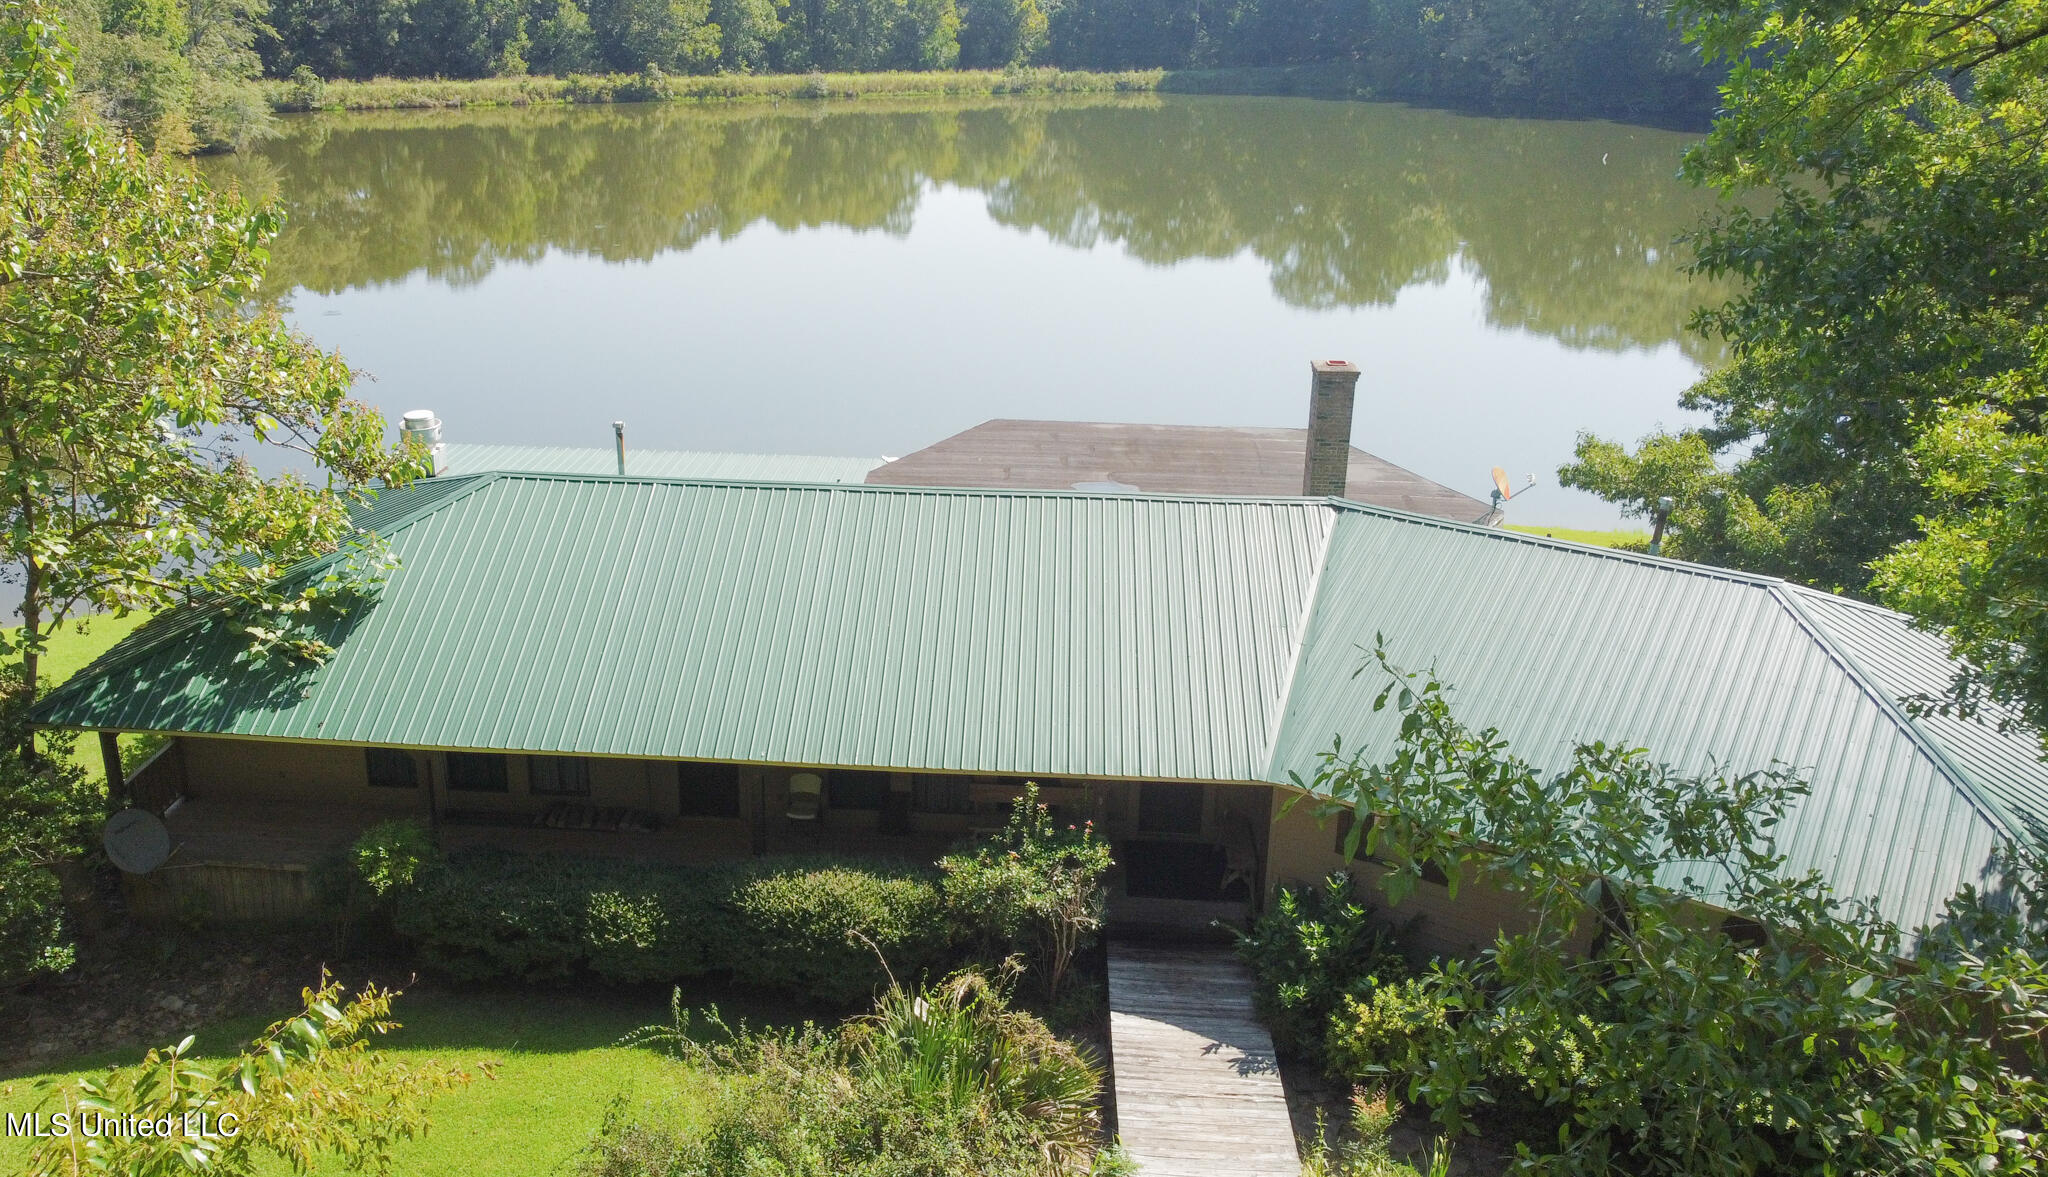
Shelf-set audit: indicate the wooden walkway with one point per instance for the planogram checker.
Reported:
(1197, 1088)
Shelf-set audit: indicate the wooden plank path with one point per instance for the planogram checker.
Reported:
(1197, 1088)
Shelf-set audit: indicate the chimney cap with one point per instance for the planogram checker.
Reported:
(1345, 367)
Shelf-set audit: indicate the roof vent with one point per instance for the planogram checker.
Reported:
(423, 425)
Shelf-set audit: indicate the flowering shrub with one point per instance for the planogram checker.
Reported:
(1032, 887)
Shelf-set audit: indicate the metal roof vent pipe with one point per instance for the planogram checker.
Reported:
(423, 426)
(1326, 469)
(619, 435)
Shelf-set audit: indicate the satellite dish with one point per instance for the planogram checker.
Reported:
(136, 841)
(1500, 482)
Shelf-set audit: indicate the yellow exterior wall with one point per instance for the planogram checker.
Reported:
(264, 770)
(1304, 852)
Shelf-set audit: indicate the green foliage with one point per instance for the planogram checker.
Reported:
(1602, 55)
(1310, 951)
(958, 1047)
(1367, 1151)
(1980, 571)
(178, 75)
(1888, 337)
(947, 1080)
(308, 1087)
(33, 939)
(788, 924)
(390, 856)
(1031, 888)
(49, 813)
(781, 924)
(134, 377)
(1671, 1047)
(1394, 1029)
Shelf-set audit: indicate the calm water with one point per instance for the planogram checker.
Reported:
(868, 280)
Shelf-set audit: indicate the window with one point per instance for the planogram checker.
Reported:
(558, 776)
(704, 789)
(941, 794)
(476, 772)
(1169, 809)
(847, 789)
(391, 768)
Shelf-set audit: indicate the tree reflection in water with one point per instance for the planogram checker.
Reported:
(1570, 225)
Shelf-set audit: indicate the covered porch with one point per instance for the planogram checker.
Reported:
(251, 820)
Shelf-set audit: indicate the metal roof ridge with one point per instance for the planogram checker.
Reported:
(181, 619)
(1980, 798)
(1310, 600)
(1011, 492)
(1844, 599)
(1662, 563)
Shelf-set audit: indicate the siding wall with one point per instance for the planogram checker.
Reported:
(263, 770)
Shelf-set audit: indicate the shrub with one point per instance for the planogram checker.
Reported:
(1368, 1152)
(1310, 950)
(959, 1047)
(948, 1080)
(787, 925)
(1814, 1043)
(1390, 1031)
(33, 941)
(775, 923)
(310, 1087)
(1032, 888)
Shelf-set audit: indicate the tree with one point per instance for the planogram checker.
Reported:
(1980, 572)
(1801, 1036)
(1892, 271)
(308, 1086)
(136, 380)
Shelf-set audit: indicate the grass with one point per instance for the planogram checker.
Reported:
(431, 93)
(70, 650)
(558, 1066)
(1618, 538)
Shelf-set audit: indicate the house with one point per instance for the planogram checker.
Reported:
(1055, 455)
(1162, 459)
(658, 667)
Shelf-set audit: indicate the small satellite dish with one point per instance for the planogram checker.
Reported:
(136, 841)
(1500, 483)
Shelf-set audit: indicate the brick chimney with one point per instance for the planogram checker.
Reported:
(1327, 468)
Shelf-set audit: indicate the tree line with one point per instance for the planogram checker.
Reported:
(187, 70)
(1580, 53)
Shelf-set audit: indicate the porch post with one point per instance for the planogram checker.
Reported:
(117, 782)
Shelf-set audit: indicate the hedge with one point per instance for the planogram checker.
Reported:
(779, 923)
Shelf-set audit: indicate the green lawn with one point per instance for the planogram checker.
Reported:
(558, 1067)
(70, 649)
(1618, 538)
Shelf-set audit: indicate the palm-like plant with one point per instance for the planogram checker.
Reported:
(957, 1047)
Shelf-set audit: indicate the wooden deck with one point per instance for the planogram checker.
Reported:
(1197, 1087)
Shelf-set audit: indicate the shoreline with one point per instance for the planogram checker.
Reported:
(289, 97)
(1328, 81)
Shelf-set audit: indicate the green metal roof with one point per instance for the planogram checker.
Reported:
(1063, 634)
(481, 459)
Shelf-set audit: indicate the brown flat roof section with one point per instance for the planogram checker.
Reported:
(1159, 459)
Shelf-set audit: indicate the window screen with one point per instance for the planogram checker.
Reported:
(1170, 809)
(847, 789)
(476, 772)
(558, 776)
(704, 789)
(392, 768)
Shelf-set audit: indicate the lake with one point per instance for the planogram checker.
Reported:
(865, 279)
